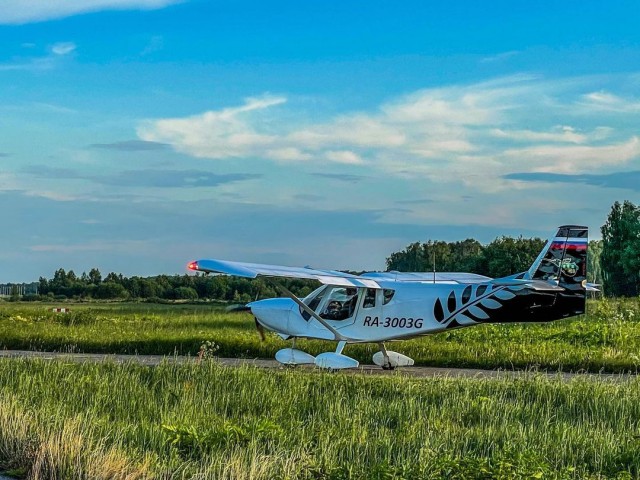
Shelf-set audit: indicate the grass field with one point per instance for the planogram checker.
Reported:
(606, 339)
(108, 421)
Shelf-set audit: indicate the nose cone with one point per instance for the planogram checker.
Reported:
(273, 313)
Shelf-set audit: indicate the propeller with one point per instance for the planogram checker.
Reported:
(241, 307)
(260, 329)
(237, 307)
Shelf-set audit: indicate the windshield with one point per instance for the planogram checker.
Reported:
(331, 302)
(313, 300)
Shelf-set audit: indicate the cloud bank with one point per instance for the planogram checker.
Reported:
(15, 12)
(454, 133)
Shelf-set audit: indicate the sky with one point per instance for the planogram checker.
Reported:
(138, 135)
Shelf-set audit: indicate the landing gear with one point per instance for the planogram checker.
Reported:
(389, 360)
(386, 365)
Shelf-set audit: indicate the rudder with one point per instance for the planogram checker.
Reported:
(563, 261)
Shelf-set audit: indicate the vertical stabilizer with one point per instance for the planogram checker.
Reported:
(563, 261)
(564, 258)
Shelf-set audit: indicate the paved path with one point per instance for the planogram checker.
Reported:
(417, 372)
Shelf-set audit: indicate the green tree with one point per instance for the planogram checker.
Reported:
(620, 250)
(15, 294)
(43, 286)
(506, 255)
(594, 269)
(185, 293)
(411, 259)
(95, 276)
(110, 290)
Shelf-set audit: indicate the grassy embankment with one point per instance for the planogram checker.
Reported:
(100, 421)
(606, 339)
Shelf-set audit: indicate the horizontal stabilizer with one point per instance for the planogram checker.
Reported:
(538, 285)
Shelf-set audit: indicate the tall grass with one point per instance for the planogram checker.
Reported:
(60, 420)
(606, 339)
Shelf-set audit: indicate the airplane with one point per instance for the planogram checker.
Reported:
(380, 307)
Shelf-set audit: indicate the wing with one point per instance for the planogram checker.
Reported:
(253, 270)
(428, 277)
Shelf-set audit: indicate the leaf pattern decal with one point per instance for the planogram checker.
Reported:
(478, 312)
(438, 311)
(504, 294)
(451, 302)
(466, 295)
(473, 304)
(490, 303)
(482, 288)
(464, 320)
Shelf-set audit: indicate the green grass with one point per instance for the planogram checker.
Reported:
(607, 339)
(102, 421)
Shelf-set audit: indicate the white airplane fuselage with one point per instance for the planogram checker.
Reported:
(416, 308)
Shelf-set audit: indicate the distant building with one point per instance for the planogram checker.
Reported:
(7, 289)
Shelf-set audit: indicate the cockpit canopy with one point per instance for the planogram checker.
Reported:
(337, 302)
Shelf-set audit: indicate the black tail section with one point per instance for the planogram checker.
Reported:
(563, 261)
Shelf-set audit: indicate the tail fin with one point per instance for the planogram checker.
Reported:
(563, 261)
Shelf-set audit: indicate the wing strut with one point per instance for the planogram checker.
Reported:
(302, 305)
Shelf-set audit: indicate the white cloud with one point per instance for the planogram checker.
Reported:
(563, 134)
(63, 48)
(343, 156)
(499, 57)
(56, 54)
(609, 102)
(226, 133)
(572, 159)
(26, 11)
(464, 133)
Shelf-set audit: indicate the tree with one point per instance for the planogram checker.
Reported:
(506, 255)
(43, 286)
(185, 293)
(411, 259)
(620, 249)
(15, 294)
(95, 276)
(594, 269)
(110, 290)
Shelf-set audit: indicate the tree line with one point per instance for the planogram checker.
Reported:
(613, 262)
(159, 288)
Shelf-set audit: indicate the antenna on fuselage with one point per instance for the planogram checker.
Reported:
(434, 266)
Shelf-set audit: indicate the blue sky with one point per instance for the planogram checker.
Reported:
(137, 135)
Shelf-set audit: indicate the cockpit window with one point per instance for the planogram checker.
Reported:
(331, 302)
(341, 303)
(369, 298)
(388, 295)
(313, 300)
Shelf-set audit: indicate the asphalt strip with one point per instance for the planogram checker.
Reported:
(413, 372)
